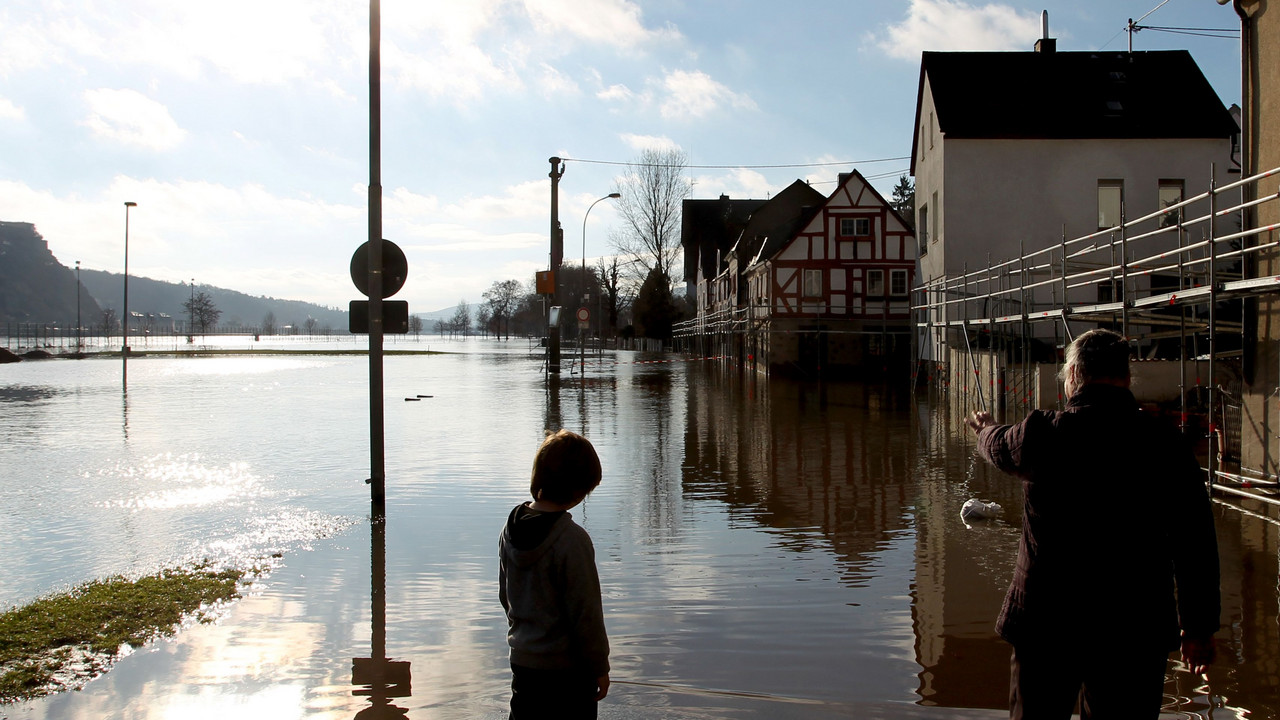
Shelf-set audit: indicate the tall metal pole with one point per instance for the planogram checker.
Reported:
(78, 325)
(557, 256)
(124, 313)
(377, 460)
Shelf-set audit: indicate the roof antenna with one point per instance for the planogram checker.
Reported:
(1134, 27)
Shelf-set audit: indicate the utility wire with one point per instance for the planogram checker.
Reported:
(1198, 32)
(738, 167)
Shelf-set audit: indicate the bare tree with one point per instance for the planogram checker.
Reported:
(109, 322)
(614, 290)
(269, 323)
(653, 188)
(501, 299)
(461, 320)
(311, 325)
(203, 313)
(415, 324)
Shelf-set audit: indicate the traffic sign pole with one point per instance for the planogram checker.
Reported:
(377, 457)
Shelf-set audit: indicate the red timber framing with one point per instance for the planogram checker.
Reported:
(854, 260)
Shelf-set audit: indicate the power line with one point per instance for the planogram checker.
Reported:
(738, 167)
(1198, 32)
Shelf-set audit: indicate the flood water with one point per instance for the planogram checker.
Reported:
(767, 549)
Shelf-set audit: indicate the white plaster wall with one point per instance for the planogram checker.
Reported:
(1000, 192)
(929, 169)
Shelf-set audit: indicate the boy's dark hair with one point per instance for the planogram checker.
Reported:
(565, 469)
(1099, 355)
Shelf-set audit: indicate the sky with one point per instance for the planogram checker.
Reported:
(241, 128)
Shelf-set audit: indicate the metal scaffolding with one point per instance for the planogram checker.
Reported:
(1163, 280)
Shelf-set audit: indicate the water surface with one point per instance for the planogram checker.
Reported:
(767, 549)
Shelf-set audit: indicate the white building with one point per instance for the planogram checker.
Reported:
(1013, 152)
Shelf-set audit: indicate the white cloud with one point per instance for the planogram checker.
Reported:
(952, 25)
(610, 22)
(130, 117)
(695, 94)
(554, 82)
(244, 238)
(616, 92)
(10, 111)
(649, 142)
(737, 183)
(525, 201)
(461, 73)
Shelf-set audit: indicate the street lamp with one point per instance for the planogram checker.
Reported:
(79, 347)
(124, 313)
(582, 345)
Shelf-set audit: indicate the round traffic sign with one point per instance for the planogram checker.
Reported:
(584, 314)
(395, 268)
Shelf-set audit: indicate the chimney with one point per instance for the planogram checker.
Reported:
(842, 177)
(1045, 44)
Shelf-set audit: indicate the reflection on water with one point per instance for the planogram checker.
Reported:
(380, 678)
(766, 549)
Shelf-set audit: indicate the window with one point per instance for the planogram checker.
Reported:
(933, 228)
(1170, 193)
(812, 283)
(922, 228)
(1110, 203)
(875, 283)
(860, 227)
(898, 282)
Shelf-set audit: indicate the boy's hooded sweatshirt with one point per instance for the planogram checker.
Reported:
(548, 585)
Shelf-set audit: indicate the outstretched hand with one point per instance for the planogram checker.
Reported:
(1197, 653)
(979, 420)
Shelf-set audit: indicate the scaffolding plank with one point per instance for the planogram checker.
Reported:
(1269, 283)
(1099, 308)
(1182, 297)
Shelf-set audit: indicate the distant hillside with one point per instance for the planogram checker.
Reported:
(238, 309)
(34, 286)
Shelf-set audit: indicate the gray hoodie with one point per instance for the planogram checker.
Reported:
(548, 585)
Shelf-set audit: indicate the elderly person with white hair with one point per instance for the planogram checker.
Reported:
(1097, 603)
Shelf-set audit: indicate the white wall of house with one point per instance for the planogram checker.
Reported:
(985, 197)
(997, 193)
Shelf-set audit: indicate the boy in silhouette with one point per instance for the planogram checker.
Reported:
(548, 585)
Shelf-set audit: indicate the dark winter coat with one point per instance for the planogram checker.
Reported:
(548, 585)
(1117, 534)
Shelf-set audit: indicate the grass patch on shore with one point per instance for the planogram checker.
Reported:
(60, 641)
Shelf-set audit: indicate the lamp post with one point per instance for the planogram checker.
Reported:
(78, 341)
(124, 312)
(582, 345)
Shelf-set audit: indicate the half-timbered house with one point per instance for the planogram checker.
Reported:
(834, 293)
